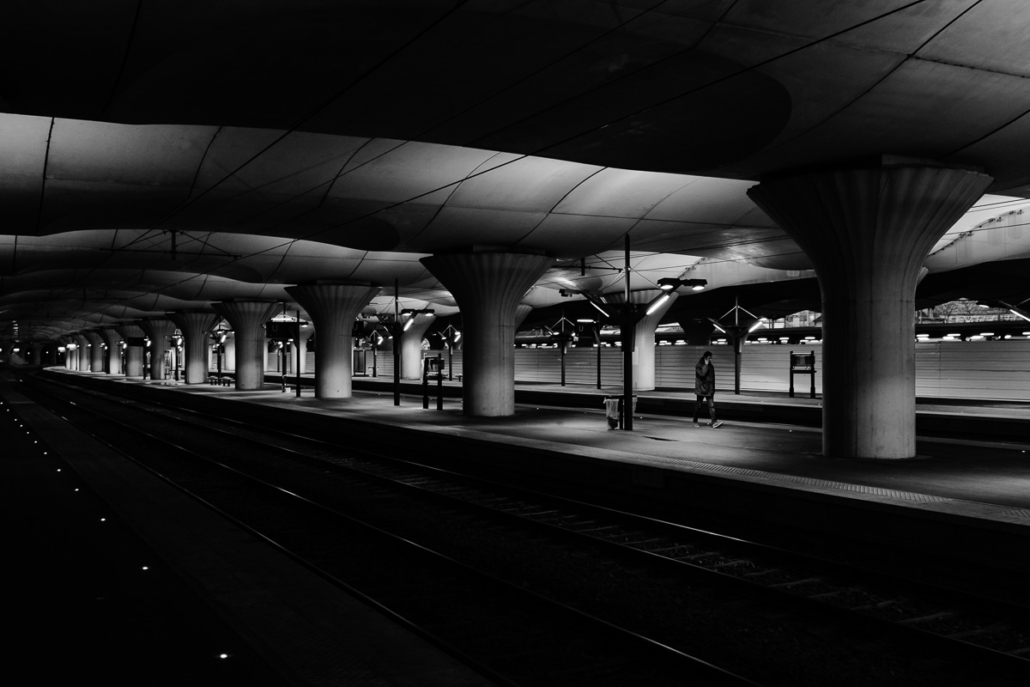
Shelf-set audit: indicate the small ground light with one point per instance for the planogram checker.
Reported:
(223, 655)
(103, 519)
(146, 567)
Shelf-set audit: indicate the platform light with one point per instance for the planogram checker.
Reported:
(657, 303)
(1020, 314)
(986, 333)
(672, 283)
(756, 325)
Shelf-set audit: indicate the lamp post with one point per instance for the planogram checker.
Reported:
(738, 334)
(218, 336)
(563, 338)
(451, 337)
(177, 341)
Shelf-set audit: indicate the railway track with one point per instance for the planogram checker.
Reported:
(512, 634)
(986, 639)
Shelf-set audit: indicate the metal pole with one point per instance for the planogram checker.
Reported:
(562, 344)
(396, 343)
(425, 384)
(439, 382)
(627, 354)
(598, 354)
(738, 345)
(296, 343)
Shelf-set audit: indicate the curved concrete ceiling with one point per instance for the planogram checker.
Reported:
(167, 154)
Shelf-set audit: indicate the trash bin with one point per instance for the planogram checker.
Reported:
(613, 410)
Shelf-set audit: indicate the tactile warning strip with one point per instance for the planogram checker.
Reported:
(972, 507)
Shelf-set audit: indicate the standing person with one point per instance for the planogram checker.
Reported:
(704, 387)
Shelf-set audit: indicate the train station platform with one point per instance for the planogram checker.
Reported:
(973, 457)
(967, 489)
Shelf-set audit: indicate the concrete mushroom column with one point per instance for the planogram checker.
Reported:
(305, 334)
(411, 345)
(195, 325)
(522, 311)
(96, 351)
(247, 319)
(82, 353)
(160, 331)
(68, 357)
(332, 308)
(114, 353)
(867, 229)
(643, 334)
(488, 288)
(229, 352)
(135, 353)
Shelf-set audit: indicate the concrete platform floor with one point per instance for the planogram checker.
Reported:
(975, 477)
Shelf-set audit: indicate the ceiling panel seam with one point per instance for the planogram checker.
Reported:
(686, 93)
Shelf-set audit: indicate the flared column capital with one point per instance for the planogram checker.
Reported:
(194, 321)
(522, 311)
(131, 330)
(324, 300)
(158, 328)
(494, 280)
(865, 219)
(112, 335)
(244, 315)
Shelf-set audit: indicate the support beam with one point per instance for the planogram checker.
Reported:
(247, 319)
(96, 351)
(114, 351)
(867, 229)
(160, 331)
(135, 349)
(488, 287)
(195, 326)
(333, 308)
(411, 345)
(643, 334)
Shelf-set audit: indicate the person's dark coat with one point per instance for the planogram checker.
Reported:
(704, 378)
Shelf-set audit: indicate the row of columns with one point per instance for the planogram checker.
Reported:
(867, 229)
